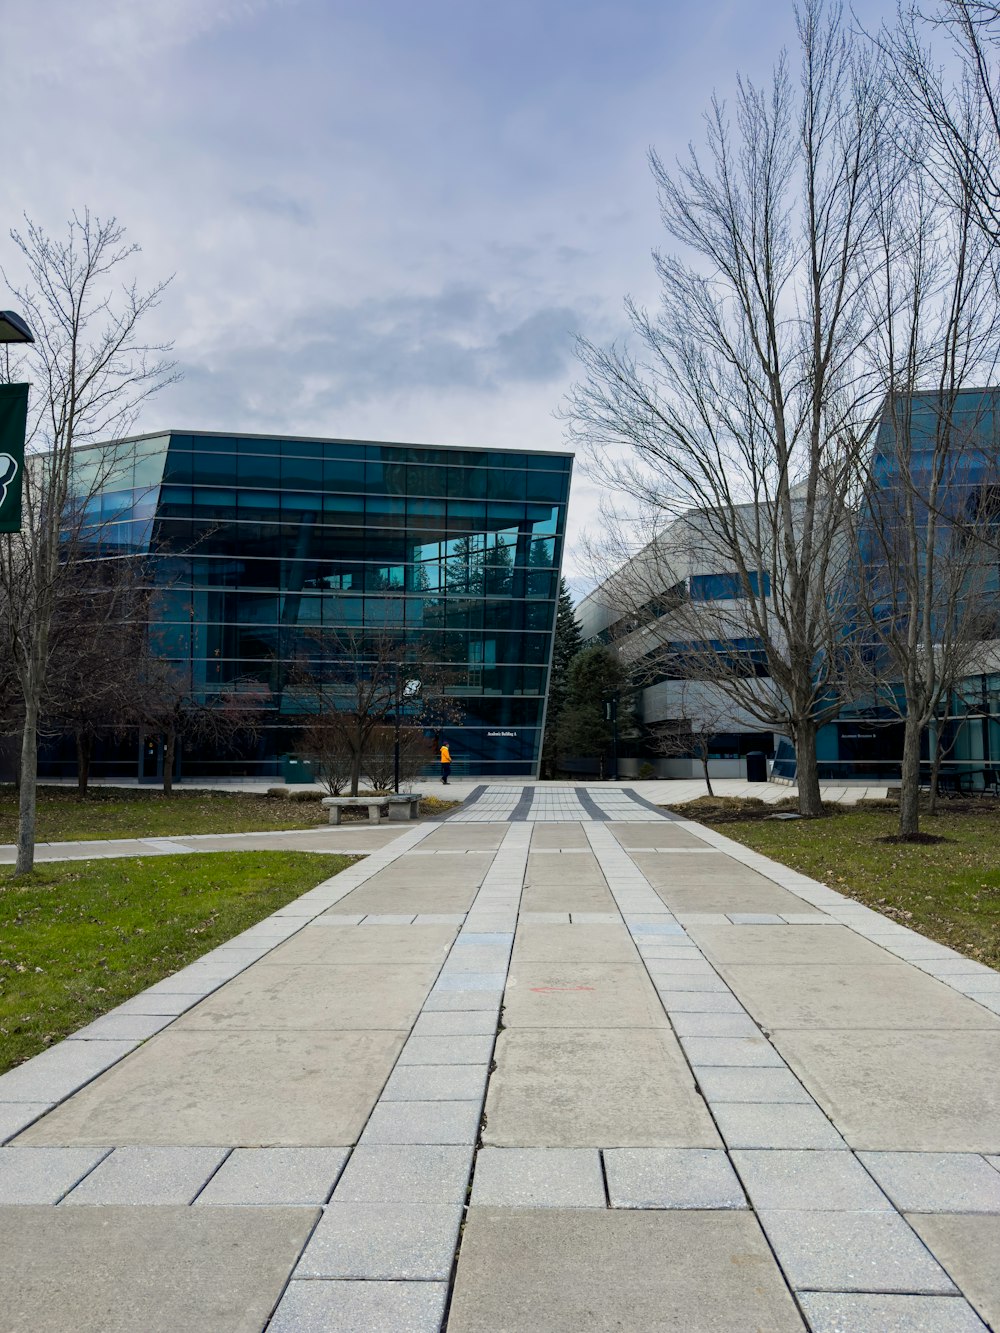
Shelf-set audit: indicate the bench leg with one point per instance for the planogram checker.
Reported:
(414, 809)
(374, 814)
(334, 814)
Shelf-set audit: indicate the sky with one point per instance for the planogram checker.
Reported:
(383, 220)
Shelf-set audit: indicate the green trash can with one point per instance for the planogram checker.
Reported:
(296, 770)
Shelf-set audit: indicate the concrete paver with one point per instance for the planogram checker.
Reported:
(936, 1182)
(148, 1175)
(231, 1088)
(522, 1270)
(862, 1313)
(671, 1178)
(848, 1251)
(349, 1307)
(422, 1174)
(903, 1091)
(158, 1269)
(966, 1245)
(651, 1003)
(604, 1086)
(43, 1175)
(383, 1242)
(538, 1178)
(272, 1176)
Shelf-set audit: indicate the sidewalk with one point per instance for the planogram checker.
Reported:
(724, 1097)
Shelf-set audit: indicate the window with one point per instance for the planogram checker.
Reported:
(727, 587)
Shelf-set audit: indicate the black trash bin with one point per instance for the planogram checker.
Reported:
(756, 766)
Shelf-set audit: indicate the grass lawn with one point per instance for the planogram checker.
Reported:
(949, 891)
(78, 938)
(138, 812)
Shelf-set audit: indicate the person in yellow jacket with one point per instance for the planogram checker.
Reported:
(445, 764)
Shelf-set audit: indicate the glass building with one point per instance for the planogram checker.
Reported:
(258, 543)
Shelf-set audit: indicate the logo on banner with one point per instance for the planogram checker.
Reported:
(8, 475)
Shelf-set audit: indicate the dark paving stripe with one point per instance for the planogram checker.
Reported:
(641, 800)
(590, 805)
(471, 799)
(520, 811)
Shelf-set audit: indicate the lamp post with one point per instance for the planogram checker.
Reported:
(611, 715)
(13, 328)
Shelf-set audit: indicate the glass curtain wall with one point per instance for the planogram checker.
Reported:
(264, 547)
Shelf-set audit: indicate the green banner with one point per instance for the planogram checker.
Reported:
(13, 420)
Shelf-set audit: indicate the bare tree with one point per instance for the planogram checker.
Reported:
(699, 712)
(90, 370)
(741, 412)
(925, 526)
(165, 706)
(99, 632)
(357, 683)
(956, 102)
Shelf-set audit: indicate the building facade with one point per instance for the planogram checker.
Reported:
(264, 546)
(958, 447)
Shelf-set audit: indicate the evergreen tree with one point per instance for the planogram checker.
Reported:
(595, 677)
(568, 642)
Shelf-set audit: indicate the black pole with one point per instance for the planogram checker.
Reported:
(614, 739)
(395, 747)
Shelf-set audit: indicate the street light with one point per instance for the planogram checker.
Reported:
(13, 328)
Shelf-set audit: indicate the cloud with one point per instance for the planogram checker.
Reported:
(268, 199)
(330, 357)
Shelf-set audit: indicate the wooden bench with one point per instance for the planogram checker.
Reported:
(406, 803)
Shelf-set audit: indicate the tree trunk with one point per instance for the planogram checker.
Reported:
(807, 772)
(909, 787)
(355, 771)
(84, 745)
(28, 794)
(708, 780)
(169, 747)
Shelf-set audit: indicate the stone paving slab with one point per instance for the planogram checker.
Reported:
(903, 1091)
(761, 945)
(936, 1182)
(262, 1177)
(412, 1174)
(811, 1180)
(845, 1251)
(437, 1122)
(539, 1178)
(573, 1088)
(336, 997)
(819, 995)
(671, 1178)
(750, 1085)
(15, 1116)
(230, 1088)
(61, 1070)
(159, 1270)
(437, 1083)
(461, 1023)
(581, 995)
(523, 1270)
(148, 1175)
(863, 1313)
(43, 1175)
(350, 1307)
(967, 1246)
(383, 1242)
(775, 1125)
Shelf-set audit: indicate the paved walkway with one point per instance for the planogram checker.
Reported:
(664, 1082)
